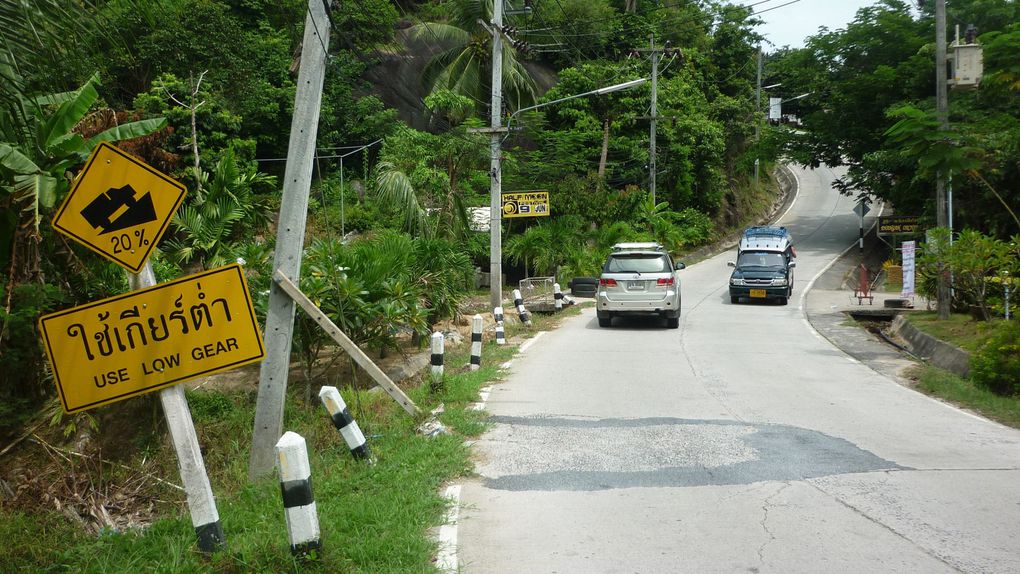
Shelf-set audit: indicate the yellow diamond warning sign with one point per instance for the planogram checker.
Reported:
(152, 338)
(119, 207)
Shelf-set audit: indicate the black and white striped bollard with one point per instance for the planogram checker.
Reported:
(558, 297)
(345, 423)
(438, 349)
(521, 311)
(497, 315)
(298, 501)
(476, 342)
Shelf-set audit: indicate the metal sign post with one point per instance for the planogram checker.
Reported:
(201, 503)
(123, 346)
(861, 209)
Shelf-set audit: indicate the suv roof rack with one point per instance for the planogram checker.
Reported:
(638, 246)
(765, 238)
(766, 230)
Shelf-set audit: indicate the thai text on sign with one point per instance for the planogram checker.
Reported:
(149, 339)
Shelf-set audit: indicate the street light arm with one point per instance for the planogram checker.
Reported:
(598, 92)
(796, 98)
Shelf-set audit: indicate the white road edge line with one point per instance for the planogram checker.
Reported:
(526, 344)
(446, 560)
(804, 317)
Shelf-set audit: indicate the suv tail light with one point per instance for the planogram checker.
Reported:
(607, 282)
(665, 282)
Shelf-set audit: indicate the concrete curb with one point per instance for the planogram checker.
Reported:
(932, 350)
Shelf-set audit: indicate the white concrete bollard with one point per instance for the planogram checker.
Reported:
(438, 349)
(497, 315)
(558, 297)
(521, 311)
(298, 501)
(476, 342)
(345, 423)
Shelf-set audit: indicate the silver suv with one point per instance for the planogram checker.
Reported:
(639, 279)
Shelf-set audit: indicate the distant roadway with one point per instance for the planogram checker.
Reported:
(742, 442)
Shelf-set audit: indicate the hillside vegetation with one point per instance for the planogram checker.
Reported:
(203, 90)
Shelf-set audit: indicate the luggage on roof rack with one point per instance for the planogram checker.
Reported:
(766, 230)
(766, 238)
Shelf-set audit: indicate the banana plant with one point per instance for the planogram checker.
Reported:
(39, 148)
(38, 152)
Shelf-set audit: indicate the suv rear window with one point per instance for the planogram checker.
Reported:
(637, 263)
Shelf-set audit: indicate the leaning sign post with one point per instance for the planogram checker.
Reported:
(154, 336)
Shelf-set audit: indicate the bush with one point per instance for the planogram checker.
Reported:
(996, 365)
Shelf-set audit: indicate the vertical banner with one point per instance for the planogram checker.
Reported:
(909, 248)
(775, 109)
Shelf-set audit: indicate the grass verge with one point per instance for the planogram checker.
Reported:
(966, 333)
(962, 392)
(373, 518)
(959, 330)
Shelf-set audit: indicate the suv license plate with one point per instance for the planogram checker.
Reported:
(758, 293)
(636, 286)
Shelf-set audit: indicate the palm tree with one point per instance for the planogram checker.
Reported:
(224, 209)
(532, 246)
(40, 143)
(465, 67)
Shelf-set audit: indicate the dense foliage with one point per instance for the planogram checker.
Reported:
(872, 108)
(996, 365)
(203, 90)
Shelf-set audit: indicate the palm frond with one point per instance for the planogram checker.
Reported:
(394, 187)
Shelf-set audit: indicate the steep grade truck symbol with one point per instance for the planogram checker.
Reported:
(119, 207)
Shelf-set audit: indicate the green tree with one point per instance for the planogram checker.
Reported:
(465, 64)
(432, 178)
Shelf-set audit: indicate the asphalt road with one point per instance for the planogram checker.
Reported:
(742, 442)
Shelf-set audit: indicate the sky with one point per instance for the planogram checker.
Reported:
(790, 25)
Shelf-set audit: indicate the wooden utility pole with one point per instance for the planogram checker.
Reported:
(942, 105)
(290, 237)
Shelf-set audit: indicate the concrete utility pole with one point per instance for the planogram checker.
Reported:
(495, 162)
(757, 121)
(942, 105)
(654, 117)
(279, 332)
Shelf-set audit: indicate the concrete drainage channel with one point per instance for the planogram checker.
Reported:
(891, 327)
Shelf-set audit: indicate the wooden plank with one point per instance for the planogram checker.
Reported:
(344, 341)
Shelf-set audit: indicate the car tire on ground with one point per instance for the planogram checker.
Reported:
(734, 299)
(673, 322)
(605, 321)
(783, 300)
(584, 286)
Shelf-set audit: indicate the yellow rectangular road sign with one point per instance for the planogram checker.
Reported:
(899, 224)
(526, 204)
(119, 207)
(152, 338)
